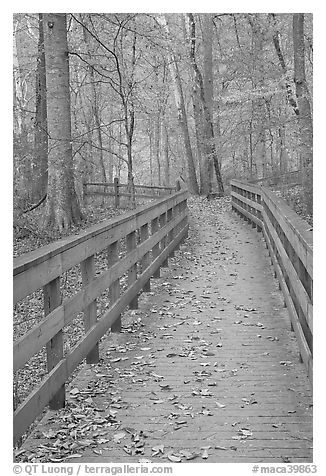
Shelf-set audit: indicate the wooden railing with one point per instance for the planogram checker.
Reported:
(150, 234)
(116, 189)
(290, 243)
(276, 181)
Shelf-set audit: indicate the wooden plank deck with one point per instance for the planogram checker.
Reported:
(207, 366)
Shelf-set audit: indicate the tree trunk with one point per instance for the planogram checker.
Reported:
(157, 146)
(22, 152)
(210, 147)
(258, 104)
(150, 137)
(62, 207)
(166, 156)
(276, 41)
(208, 83)
(129, 128)
(40, 166)
(283, 151)
(302, 93)
(203, 162)
(305, 117)
(181, 111)
(95, 106)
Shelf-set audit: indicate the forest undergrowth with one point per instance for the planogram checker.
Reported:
(294, 198)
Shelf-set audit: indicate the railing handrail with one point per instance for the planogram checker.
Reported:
(273, 177)
(112, 184)
(32, 258)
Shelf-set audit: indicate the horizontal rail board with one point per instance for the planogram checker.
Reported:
(35, 269)
(121, 194)
(302, 343)
(294, 228)
(248, 187)
(37, 337)
(248, 214)
(246, 200)
(112, 184)
(39, 398)
(298, 288)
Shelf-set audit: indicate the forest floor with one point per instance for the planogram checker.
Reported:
(206, 370)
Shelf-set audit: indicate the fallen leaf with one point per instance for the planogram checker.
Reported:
(165, 386)
(50, 433)
(157, 376)
(74, 391)
(75, 455)
(220, 405)
(118, 436)
(158, 449)
(174, 459)
(189, 455)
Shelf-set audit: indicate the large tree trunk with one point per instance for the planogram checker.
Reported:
(208, 85)
(258, 103)
(181, 110)
(302, 92)
(276, 41)
(62, 207)
(203, 162)
(40, 165)
(305, 117)
(210, 146)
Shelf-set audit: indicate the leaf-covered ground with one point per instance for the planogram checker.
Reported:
(207, 370)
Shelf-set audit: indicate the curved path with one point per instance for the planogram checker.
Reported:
(207, 370)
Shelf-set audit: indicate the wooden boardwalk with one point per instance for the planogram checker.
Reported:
(207, 370)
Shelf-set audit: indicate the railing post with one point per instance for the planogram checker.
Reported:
(176, 212)
(185, 220)
(116, 193)
(54, 348)
(145, 262)
(171, 233)
(132, 272)
(114, 289)
(90, 312)
(162, 220)
(156, 248)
